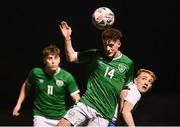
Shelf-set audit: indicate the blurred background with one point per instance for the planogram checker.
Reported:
(150, 30)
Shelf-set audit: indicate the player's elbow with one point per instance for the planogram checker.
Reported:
(68, 59)
(72, 58)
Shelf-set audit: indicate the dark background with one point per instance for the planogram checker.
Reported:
(150, 28)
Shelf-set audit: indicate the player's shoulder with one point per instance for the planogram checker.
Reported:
(132, 85)
(126, 58)
(134, 89)
(65, 72)
(91, 51)
(37, 70)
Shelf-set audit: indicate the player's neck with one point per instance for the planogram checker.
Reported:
(118, 54)
(50, 72)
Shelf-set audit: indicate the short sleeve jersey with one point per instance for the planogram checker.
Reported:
(106, 78)
(132, 97)
(50, 91)
(133, 94)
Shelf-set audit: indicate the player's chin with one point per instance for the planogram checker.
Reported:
(53, 68)
(108, 54)
(143, 90)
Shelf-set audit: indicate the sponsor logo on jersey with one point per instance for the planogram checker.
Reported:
(100, 58)
(102, 61)
(122, 68)
(41, 81)
(59, 83)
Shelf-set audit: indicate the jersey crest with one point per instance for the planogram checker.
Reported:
(59, 83)
(122, 68)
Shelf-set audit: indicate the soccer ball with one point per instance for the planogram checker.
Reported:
(103, 18)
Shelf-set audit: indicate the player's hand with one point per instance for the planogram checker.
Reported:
(65, 30)
(16, 110)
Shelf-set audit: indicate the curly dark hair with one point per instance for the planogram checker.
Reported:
(111, 34)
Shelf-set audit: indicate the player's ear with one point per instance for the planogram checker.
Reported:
(135, 80)
(119, 43)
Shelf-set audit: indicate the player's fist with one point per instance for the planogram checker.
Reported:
(16, 110)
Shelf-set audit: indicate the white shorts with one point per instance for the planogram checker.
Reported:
(83, 115)
(40, 121)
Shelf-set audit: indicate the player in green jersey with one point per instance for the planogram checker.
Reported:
(108, 71)
(51, 85)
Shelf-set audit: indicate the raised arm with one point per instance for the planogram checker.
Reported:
(66, 31)
(22, 95)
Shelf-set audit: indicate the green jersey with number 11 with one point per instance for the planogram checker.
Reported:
(50, 92)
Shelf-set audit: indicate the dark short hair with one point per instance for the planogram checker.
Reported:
(111, 34)
(51, 50)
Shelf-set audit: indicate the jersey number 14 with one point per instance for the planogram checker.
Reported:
(109, 72)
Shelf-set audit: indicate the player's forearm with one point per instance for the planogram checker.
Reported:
(128, 118)
(70, 53)
(76, 98)
(23, 93)
(123, 95)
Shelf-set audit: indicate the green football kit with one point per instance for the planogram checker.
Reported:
(106, 78)
(50, 92)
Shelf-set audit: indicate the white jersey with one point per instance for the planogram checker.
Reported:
(133, 96)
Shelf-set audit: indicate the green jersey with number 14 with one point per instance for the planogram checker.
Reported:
(106, 78)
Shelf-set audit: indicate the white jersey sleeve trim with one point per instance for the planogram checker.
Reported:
(76, 54)
(72, 94)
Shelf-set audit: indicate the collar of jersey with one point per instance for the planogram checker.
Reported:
(57, 71)
(118, 57)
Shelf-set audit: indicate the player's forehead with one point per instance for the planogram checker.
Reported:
(52, 56)
(145, 75)
(109, 41)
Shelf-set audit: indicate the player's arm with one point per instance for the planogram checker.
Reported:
(75, 97)
(66, 31)
(127, 114)
(23, 92)
(123, 95)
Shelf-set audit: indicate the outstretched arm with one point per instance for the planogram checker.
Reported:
(22, 95)
(66, 31)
